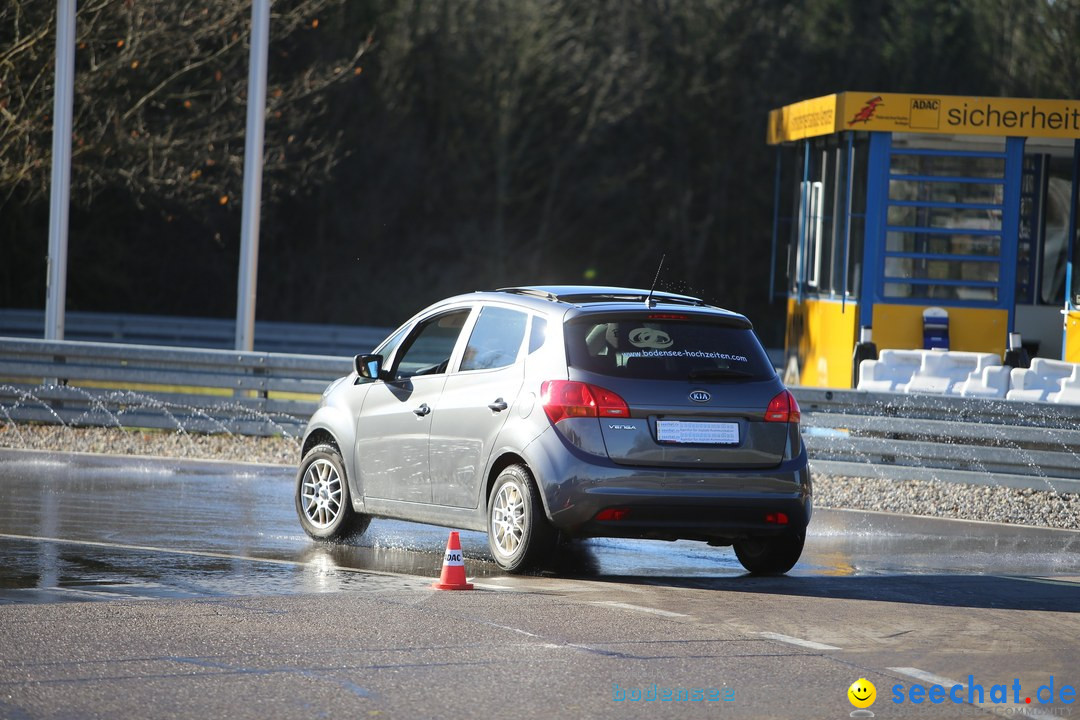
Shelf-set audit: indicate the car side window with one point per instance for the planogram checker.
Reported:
(388, 346)
(538, 334)
(496, 339)
(427, 350)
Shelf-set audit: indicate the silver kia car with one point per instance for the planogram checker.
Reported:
(544, 414)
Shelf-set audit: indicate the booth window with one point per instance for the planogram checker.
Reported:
(1074, 291)
(1042, 247)
(944, 224)
(828, 217)
(860, 161)
(1055, 227)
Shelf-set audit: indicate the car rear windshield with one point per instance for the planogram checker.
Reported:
(661, 346)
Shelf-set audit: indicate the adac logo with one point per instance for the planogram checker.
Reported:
(862, 695)
(867, 111)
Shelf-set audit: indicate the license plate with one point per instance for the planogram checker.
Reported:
(701, 433)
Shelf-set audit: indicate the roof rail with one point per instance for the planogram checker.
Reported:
(579, 294)
(531, 292)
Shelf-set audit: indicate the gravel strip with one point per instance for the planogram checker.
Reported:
(1041, 508)
(117, 441)
(936, 498)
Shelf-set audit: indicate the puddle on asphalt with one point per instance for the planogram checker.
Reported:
(138, 528)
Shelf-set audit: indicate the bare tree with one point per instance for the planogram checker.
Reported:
(160, 97)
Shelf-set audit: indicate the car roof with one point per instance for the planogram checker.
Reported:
(577, 300)
(586, 294)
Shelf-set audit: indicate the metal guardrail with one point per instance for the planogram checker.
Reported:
(847, 432)
(893, 435)
(278, 337)
(76, 383)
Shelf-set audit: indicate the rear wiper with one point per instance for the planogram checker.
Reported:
(707, 373)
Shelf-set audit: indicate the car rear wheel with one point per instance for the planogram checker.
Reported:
(771, 555)
(322, 497)
(519, 534)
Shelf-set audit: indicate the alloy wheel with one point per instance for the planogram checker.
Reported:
(321, 493)
(508, 519)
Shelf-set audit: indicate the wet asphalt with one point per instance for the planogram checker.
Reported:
(142, 587)
(84, 527)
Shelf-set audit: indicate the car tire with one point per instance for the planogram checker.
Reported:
(773, 555)
(322, 497)
(519, 534)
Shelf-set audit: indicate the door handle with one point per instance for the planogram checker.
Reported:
(422, 410)
(498, 406)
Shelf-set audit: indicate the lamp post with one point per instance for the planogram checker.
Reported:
(60, 187)
(253, 164)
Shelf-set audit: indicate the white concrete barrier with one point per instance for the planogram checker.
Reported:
(966, 374)
(891, 372)
(1047, 381)
(990, 382)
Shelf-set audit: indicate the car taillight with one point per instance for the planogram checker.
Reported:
(783, 408)
(569, 399)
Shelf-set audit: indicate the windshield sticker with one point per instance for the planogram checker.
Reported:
(688, 354)
(649, 338)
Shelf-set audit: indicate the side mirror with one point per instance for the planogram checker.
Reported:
(368, 366)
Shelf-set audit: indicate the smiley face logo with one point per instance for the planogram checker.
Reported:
(862, 693)
(650, 338)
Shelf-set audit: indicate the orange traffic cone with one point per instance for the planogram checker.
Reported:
(453, 567)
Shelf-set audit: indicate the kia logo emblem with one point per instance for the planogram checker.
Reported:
(700, 396)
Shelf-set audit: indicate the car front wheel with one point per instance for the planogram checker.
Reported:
(519, 534)
(773, 555)
(322, 497)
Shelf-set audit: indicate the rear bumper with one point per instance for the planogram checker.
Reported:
(667, 503)
(719, 522)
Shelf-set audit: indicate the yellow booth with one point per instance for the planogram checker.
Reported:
(914, 221)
